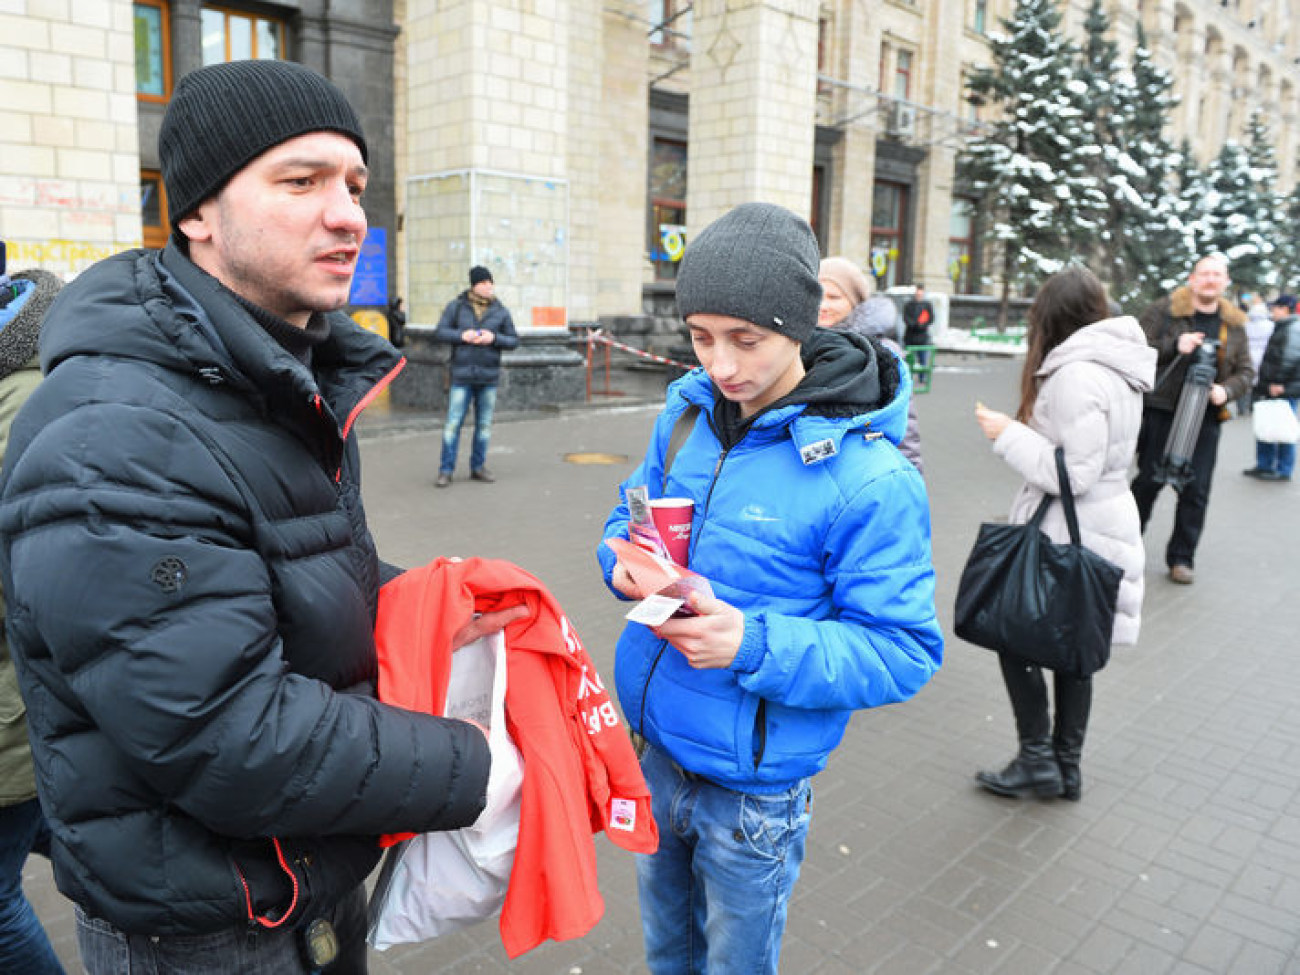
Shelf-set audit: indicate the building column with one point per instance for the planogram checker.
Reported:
(855, 108)
(489, 125)
(753, 102)
(621, 147)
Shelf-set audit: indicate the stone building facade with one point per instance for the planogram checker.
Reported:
(574, 145)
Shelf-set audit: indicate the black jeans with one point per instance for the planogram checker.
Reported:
(1194, 498)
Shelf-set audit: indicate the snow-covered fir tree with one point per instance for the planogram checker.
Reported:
(1287, 256)
(1239, 208)
(1032, 172)
(1153, 255)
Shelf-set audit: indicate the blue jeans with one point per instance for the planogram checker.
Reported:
(485, 404)
(714, 895)
(231, 951)
(1279, 457)
(24, 946)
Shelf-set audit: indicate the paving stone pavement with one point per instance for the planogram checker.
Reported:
(1184, 854)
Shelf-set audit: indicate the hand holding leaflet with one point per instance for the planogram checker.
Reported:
(665, 584)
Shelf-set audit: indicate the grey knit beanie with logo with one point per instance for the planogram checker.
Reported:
(224, 116)
(758, 262)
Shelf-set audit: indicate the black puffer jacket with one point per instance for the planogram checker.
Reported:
(192, 590)
(1281, 362)
(476, 365)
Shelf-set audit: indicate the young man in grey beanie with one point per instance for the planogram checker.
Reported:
(813, 531)
(191, 584)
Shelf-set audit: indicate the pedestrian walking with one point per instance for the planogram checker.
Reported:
(1279, 379)
(1081, 390)
(789, 454)
(1176, 326)
(479, 328)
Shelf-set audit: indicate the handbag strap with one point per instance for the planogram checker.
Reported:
(1067, 497)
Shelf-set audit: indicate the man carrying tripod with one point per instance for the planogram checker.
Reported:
(1176, 326)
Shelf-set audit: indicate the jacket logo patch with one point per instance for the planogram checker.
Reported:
(755, 512)
(818, 450)
(169, 574)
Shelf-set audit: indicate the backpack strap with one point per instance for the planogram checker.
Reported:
(681, 430)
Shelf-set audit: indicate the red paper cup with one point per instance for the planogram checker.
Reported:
(672, 518)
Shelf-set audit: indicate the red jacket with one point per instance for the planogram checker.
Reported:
(581, 774)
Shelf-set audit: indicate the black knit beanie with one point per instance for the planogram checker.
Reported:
(758, 262)
(224, 116)
(479, 273)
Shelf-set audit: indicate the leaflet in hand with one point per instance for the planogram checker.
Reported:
(669, 583)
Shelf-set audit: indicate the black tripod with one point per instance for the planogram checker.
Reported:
(1175, 467)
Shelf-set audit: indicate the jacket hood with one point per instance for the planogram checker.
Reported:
(850, 382)
(1118, 344)
(20, 320)
(876, 316)
(1181, 306)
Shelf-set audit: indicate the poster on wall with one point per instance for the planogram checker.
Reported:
(370, 282)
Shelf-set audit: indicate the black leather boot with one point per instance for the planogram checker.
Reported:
(1033, 772)
(1073, 706)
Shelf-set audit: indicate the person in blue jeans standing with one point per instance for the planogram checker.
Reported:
(814, 532)
(24, 946)
(479, 328)
(1279, 378)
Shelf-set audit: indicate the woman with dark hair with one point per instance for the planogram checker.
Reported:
(1081, 389)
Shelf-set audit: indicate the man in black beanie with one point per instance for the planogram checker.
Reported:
(813, 531)
(479, 328)
(191, 582)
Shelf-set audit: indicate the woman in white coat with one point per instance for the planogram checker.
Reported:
(1081, 389)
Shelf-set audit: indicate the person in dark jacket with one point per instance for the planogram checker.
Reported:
(191, 582)
(918, 318)
(479, 328)
(1176, 326)
(24, 945)
(1279, 378)
(814, 533)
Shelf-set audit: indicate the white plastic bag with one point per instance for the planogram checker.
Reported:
(1275, 421)
(436, 883)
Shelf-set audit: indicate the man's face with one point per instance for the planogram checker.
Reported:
(1279, 312)
(1208, 280)
(484, 289)
(286, 231)
(752, 366)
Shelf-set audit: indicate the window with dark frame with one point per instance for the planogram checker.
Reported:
(980, 20)
(153, 209)
(237, 35)
(666, 232)
(961, 243)
(153, 50)
(888, 213)
(670, 23)
(903, 74)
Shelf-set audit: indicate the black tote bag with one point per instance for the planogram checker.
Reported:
(1023, 594)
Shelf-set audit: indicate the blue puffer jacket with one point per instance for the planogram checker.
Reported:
(475, 365)
(818, 529)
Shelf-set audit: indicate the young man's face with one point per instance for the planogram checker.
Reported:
(484, 289)
(835, 305)
(753, 366)
(286, 231)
